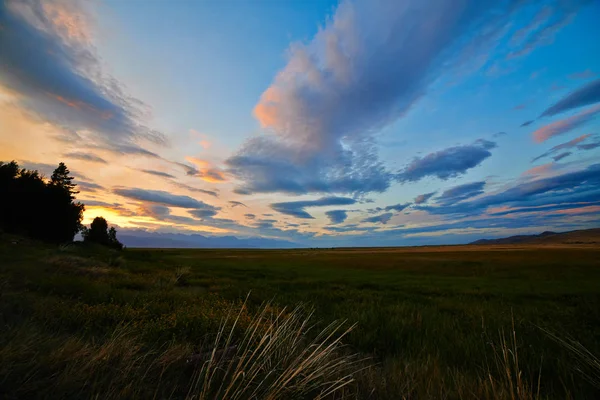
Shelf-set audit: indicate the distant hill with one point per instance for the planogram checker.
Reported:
(139, 238)
(584, 236)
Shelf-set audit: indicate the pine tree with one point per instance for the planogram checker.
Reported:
(60, 177)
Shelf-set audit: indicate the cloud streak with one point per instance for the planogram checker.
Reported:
(447, 163)
(584, 96)
(297, 208)
(566, 125)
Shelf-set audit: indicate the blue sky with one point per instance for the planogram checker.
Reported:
(318, 123)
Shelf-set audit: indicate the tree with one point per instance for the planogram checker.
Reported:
(60, 178)
(30, 205)
(100, 234)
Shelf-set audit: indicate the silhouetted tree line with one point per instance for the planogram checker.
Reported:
(46, 209)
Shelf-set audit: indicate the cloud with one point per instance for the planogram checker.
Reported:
(363, 70)
(566, 125)
(205, 170)
(561, 156)
(165, 198)
(588, 73)
(461, 192)
(397, 207)
(266, 165)
(337, 216)
(543, 169)
(194, 189)
(78, 155)
(570, 187)
(447, 163)
(542, 29)
(296, 208)
(379, 219)
(527, 123)
(203, 213)
(423, 198)
(89, 186)
(236, 203)
(64, 83)
(250, 216)
(567, 145)
(157, 211)
(586, 95)
(519, 107)
(157, 173)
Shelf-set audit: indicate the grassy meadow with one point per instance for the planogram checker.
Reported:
(432, 322)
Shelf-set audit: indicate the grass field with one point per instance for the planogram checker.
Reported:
(435, 322)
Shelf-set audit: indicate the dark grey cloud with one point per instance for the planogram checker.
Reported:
(570, 187)
(337, 216)
(250, 216)
(586, 95)
(560, 156)
(447, 163)
(498, 134)
(297, 208)
(461, 192)
(79, 155)
(236, 203)
(204, 213)
(166, 199)
(157, 173)
(60, 80)
(527, 123)
(567, 145)
(379, 219)
(397, 207)
(423, 198)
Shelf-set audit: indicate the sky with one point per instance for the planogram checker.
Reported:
(321, 123)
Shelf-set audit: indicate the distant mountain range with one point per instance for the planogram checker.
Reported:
(584, 236)
(139, 238)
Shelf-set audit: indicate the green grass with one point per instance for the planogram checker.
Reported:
(435, 322)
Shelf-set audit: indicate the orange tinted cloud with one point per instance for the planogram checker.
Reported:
(565, 125)
(540, 170)
(70, 21)
(206, 171)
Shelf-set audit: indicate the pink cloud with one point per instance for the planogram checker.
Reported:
(565, 125)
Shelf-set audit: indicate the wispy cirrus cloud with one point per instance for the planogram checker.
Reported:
(584, 96)
(159, 197)
(297, 208)
(83, 156)
(563, 146)
(64, 83)
(566, 125)
(447, 163)
(569, 187)
(157, 173)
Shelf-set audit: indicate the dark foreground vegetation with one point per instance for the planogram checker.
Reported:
(453, 322)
